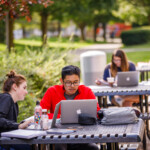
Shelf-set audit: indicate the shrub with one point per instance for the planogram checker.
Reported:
(135, 36)
(42, 70)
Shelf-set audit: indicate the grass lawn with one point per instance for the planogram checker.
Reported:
(2, 47)
(146, 45)
(34, 43)
(60, 43)
(139, 56)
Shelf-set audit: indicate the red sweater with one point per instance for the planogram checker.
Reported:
(55, 94)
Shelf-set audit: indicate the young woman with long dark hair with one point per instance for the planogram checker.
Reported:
(119, 63)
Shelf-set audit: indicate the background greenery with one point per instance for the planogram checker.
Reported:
(41, 68)
(136, 36)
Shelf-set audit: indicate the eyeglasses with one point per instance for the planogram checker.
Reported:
(76, 83)
(116, 60)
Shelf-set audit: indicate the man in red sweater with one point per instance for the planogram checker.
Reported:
(69, 90)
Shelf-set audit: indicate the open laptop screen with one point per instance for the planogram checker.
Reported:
(71, 108)
(126, 79)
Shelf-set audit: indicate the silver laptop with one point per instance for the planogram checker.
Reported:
(71, 108)
(126, 79)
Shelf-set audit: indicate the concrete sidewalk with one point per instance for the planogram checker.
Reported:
(108, 48)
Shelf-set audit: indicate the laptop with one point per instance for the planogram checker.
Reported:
(127, 79)
(71, 108)
(23, 133)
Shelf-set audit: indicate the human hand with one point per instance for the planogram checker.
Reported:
(25, 124)
(98, 82)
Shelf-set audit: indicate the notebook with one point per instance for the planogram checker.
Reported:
(71, 108)
(25, 134)
(126, 79)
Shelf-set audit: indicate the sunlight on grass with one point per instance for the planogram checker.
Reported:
(2, 47)
(139, 56)
(146, 45)
(67, 45)
(34, 43)
(53, 43)
(30, 42)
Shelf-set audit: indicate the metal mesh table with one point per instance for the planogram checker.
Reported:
(142, 90)
(110, 91)
(88, 134)
(144, 72)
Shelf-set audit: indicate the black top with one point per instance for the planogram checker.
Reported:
(71, 97)
(8, 113)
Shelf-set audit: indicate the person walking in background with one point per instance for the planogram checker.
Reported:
(14, 90)
(69, 90)
(119, 63)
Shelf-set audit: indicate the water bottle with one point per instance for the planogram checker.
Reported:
(37, 115)
(44, 120)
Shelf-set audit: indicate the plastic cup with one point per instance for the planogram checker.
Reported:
(111, 81)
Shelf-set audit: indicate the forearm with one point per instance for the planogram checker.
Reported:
(7, 124)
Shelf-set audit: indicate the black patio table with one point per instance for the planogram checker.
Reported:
(142, 90)
(112, 135)
(144, 71)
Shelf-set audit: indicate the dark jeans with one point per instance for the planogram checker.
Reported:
(89, 146)
(16, 147)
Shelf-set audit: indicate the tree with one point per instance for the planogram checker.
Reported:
(80, 13)
(56, 12)
(102, 13)
(89, 12)
(142, 4)
(2, 31)
(134, 11)
(12, 9)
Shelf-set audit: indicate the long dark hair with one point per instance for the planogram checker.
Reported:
(124, 62)
(12, 77)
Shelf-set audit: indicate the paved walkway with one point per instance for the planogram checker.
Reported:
(108, 48)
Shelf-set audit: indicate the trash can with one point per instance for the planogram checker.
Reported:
(92, 66)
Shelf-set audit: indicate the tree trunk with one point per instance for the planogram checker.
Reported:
(44, 18)
(95, 33)
(2, 31)
(9, 32)
(104, 29)
(59, 28)
(149, 19)
(82, 27)
(23, 31)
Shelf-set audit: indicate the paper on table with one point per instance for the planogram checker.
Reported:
(98, 87)
(60, 131)
(25, 134)
(32, 117)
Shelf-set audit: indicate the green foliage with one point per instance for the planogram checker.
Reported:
(42, 70)
(133, 11)
(135, 36)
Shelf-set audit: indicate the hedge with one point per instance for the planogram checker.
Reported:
(135, 36)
